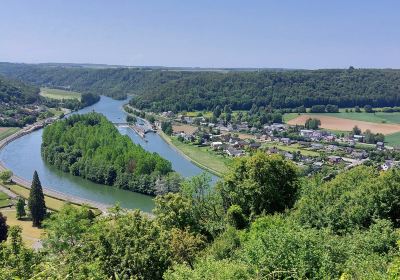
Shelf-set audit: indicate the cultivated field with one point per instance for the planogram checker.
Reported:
(188, 129)
(336, 123)
(59, 94)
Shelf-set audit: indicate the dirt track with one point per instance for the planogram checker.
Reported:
(333, 123)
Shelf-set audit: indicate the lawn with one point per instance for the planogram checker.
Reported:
(7, 131)
(378, 117)
(207, 114)
(59, 112)
(292, 148)
(202, 156)
(4, 200)
(289, 116)
(30, 235)
(393, 139)
(51, 202)
(59, 93)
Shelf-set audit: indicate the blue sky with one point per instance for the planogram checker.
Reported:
(207, 33)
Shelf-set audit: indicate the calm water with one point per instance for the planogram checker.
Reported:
(22, 156)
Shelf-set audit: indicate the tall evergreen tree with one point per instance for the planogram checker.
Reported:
(3, 228)
(36, 203)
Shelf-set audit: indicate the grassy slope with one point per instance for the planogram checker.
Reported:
(4, 201)
(51, 202)
(8, 132)
(59, 94)
(201, 156)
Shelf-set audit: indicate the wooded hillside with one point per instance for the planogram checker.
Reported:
(160, 89)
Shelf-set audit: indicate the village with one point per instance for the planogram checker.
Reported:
(312, 149)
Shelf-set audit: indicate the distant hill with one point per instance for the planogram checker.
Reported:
(16, 92)
(178, 89)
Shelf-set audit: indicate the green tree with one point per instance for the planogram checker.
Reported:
(6, 175)
(173, 210)
(185, 246)
(353, 199)
(317, 109)
(130, 119)
(356, 131)
(67, 228)
(36, 203)
(332, 108)
(370, 137)
(20, 208)
(235, 217)
(217, 112)
(260, 184)
(312, 123)
(3, 228)
(368, 109)
(17, 262)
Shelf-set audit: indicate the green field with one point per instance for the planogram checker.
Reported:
(202, 156)
(4, 200)
(7, 131)
(393, 139)
(378, 117)
(30, 235)
(291, 148)
(59, 93)
(290, 116)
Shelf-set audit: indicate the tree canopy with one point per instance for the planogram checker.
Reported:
(90, 146)
(163, 90)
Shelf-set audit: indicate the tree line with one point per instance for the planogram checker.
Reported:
(163, 90)
(90, 146)
(261, 221)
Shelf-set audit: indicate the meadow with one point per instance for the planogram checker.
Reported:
(4, 200)
(377, 117)
(59, 93)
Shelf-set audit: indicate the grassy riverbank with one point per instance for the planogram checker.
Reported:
(52, 203)
(7, 131)
(201, 156)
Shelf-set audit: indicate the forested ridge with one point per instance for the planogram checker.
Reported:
(90, 146)
(261, 221)
(160, 89)
(16, 92)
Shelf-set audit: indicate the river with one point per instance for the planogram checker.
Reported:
(22, 156)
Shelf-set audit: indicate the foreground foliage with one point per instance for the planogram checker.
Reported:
(194, 235)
